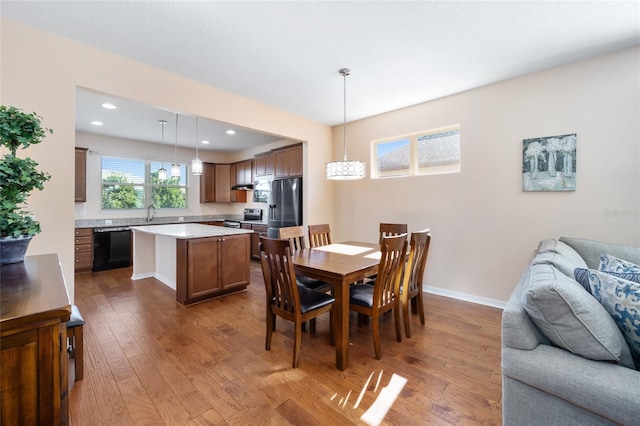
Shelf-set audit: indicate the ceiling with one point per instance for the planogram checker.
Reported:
(287, 54)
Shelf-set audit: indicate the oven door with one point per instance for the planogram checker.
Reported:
(231, 224)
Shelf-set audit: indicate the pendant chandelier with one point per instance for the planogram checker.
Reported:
(175, 167)
(345, 169)
(162, 172)
(196, 163)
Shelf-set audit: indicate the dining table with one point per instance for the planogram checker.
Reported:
(339, 264)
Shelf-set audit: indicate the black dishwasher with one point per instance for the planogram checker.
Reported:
(111, 248)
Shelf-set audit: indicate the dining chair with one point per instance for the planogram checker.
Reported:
(384, 295)
(319, 235)
(411, 290)
(389, 229)
(296, 237)
(284, 297)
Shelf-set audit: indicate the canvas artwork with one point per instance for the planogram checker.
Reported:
(549, 163)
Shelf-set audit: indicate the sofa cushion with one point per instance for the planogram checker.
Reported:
(610, 263)
(573, 319)
(621, 299)
(590, 251)
(560, 261)
(563, 249)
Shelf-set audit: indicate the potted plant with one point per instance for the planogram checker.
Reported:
(18, 177)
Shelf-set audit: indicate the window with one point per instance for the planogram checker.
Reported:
(423, 153)
(133, 184)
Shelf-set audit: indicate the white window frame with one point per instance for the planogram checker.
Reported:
(414, 168)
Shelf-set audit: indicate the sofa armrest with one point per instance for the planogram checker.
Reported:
(610, 390)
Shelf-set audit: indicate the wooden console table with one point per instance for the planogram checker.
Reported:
(34, 306)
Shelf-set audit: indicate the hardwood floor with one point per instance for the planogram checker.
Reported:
(149, 360)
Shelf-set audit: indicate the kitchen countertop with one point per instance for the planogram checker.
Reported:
(142, 221)
(189, 230)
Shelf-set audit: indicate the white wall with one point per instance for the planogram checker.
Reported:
(40, 72)
(484, 227)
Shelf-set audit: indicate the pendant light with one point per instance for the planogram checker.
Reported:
(162, 172)
(196, 163)
(175, 167)
(345, 170)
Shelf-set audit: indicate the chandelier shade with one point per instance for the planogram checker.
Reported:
(345, 169)
(162, 172)
(196, 163)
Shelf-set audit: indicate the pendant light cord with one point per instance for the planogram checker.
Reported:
(196, 137)
(345, 72)
(175, 148)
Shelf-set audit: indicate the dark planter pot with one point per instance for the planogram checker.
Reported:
(13, 249)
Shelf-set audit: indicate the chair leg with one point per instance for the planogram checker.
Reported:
(296, 344)
(332, 334)
(397, 322)
(271, 321)
(407, 319)
(420, 303)
(375, 326)
(78, 338)
(312, 326)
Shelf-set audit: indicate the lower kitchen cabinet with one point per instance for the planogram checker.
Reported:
(258, 231)
(212, 266)
(83, 261)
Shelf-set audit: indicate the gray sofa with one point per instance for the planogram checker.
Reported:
(551, 376)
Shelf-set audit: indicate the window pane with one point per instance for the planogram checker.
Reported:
(122, 196)
(439, 152)
(169, 197)
(393, 158)
(122, 170)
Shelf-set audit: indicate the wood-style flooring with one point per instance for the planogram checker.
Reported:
(149, 360)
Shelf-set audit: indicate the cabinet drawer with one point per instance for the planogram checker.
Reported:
(84, 232)
(83, 261)
(260, 228)
(83, 248)
(83, 240)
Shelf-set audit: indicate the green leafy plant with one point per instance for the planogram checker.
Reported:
(19, 176)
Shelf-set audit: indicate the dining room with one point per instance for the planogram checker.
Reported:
(150, 359)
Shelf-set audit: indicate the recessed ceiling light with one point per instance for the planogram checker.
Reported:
(205, 142)
(97, 123)
(231, 132)
(109, 106)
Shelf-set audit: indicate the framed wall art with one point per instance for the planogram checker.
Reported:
(549, 163)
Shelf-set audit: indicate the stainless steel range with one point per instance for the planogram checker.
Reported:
(253, 215)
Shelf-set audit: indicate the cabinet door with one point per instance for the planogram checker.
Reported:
(245, 169)
(223, 183)
(281, 164)
(234, 260)
(202, 266)
(81, 175)
(207, 183)
(295, 161)
(263, 165)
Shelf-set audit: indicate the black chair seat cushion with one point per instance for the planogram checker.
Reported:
(313, 284)
(311, 299)
(361, 294)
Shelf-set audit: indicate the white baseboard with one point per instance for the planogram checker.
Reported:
(466, 297)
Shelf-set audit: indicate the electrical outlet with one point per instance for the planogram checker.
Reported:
(108, 222)
(181, 219)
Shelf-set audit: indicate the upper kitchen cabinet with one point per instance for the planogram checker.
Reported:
(263, 165)
(215, 183)
(244, 175)
(238, 196)
(288, 162)
(81, 175)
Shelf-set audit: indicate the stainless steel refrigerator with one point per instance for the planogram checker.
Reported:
(285, 205)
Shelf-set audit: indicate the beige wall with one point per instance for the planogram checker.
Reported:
(40, 72)
(484, 227)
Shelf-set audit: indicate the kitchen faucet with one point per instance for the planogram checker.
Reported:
(151, 215)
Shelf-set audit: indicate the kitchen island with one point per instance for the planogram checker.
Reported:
(198, 261)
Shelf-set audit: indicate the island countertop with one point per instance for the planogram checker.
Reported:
(190, 230)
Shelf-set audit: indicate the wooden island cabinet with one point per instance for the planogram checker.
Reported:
(33, 349)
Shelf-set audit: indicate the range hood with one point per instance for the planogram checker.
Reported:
(243, 187)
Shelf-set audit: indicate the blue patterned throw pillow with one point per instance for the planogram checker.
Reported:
(581, 275)
(610, 263)
(621, 298)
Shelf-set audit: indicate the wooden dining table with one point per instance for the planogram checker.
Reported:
(341, 265)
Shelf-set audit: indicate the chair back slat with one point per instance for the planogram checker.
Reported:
(279, 276)
(391, 229)
(387, 286)
(319, 235)
(295, 235)
(414, 270)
